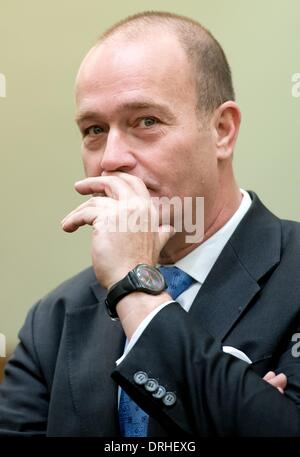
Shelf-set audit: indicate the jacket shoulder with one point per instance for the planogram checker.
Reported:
(44, 326)
(74, 292)
(71, 294)
(290, 233)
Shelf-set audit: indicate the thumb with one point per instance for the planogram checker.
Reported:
(165, 232)
(269, 376)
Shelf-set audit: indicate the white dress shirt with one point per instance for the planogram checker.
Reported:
(197, 264)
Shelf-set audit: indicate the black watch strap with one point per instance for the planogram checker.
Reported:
(133, 282)
(117, 292)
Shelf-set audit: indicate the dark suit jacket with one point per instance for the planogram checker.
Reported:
(62, 379)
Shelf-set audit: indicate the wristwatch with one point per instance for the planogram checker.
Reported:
(143, 278)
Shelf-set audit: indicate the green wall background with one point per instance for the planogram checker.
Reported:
(41, 46)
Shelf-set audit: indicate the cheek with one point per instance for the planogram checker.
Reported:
(184, 160)
(91, 163)
(193, 164)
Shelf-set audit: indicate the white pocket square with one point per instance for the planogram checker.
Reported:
(236, 353)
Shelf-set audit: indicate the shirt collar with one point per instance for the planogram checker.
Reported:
(200, 261)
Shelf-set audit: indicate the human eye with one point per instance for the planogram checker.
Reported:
(147, 122)
(93, 131)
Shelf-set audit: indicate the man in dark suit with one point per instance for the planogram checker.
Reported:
(157, 113)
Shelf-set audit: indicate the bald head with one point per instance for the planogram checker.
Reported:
(208, 63)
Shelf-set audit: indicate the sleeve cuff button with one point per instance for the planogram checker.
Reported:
(160, 393)
(140, 378)
(151, 385)
(169, 399)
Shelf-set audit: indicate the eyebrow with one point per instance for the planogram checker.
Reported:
(139, 105)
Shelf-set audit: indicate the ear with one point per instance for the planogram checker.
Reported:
(226, 124)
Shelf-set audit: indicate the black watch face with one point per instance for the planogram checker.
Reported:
(150, 277)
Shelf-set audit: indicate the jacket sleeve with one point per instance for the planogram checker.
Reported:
(216, 393)
(23, 394)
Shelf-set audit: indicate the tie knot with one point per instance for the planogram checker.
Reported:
(177, 280)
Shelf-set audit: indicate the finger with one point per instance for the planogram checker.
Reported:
(112, 186)
(279, 381)
(136, 183)
(92, 202)
(280, 390)
(269, 375)
(165, 232)
(86, 216)
(99, 194)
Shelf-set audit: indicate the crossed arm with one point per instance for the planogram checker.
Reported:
(217, 394)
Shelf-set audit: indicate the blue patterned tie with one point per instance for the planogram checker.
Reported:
(178, 281)
(133, 420)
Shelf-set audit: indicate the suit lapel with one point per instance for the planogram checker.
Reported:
(224, 296)
(235, 279)
(95, 342)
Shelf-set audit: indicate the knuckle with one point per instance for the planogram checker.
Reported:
(94, 201)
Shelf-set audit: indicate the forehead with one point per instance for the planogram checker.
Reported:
(154, 66)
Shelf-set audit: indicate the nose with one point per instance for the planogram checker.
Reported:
(118, 154)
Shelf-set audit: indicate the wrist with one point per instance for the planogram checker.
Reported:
(142, 278)
(135, 307)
